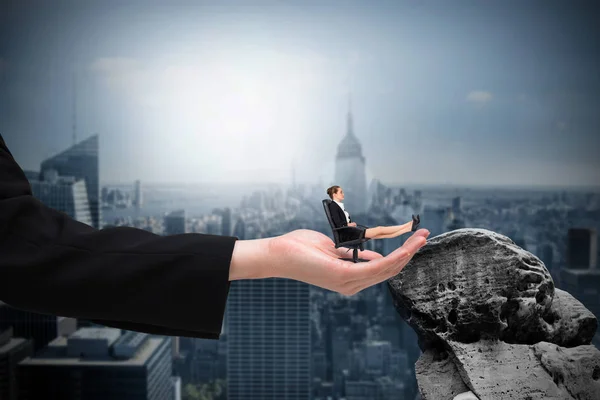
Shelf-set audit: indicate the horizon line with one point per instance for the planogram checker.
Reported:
(397, 185)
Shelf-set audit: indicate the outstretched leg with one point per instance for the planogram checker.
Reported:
(383, 232)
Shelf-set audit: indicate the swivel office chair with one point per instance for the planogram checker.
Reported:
(352, 244)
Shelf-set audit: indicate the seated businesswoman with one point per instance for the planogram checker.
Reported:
(341, 218)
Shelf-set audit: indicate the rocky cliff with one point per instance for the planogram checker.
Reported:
(492, 325)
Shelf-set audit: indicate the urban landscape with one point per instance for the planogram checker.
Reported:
(292, 340)
(146, 129)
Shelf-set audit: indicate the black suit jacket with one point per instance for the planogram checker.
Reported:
(337, 215)
(120, 277)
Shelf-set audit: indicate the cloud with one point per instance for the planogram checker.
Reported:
(114, 65)
(479, 97)
(247, 96)
(255, 75)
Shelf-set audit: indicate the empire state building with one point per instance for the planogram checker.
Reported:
(350, 171)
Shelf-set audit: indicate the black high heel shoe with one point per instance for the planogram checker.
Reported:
(415, 222)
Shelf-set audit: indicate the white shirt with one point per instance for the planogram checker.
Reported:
(343, 209)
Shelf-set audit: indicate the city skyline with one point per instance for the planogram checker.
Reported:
(469, 95)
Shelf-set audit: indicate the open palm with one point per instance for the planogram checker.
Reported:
(310, 256)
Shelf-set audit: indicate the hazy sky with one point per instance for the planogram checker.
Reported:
(476, 92)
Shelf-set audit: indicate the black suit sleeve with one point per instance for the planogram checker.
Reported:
(336, 216)
(123, 277)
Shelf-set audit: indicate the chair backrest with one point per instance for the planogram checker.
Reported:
(336, 235)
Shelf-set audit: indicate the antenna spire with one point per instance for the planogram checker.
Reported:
(74, 109)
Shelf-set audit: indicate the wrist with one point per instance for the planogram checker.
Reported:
(249, 259)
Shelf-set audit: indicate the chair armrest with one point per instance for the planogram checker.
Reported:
(362, 226)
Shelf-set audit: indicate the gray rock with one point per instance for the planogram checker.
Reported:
(466, 396)
(438, 377)
(492, 307)
(576, 369)
(568, 323)
(493, 369)
(470, 284)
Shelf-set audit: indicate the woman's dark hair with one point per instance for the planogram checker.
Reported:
(332, 190)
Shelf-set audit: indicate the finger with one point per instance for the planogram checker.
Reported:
(383, 275)
(421, 232)
(390, 264)
(357, 286)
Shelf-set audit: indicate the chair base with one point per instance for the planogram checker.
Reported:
(352, 259)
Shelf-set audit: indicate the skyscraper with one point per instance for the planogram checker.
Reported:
(12, 351)
(100, 363)
(65, 194)
(582, 248)
(81, 162)
(226, 222)
(269, 340)
(581, 277)
(240, 229)
(350, 171)
(175, 222)
(68, 195)
(41, 328)
(456, 206)
(137, 201)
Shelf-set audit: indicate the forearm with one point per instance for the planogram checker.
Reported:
(250, 259)
(55, 265)
(126, 277)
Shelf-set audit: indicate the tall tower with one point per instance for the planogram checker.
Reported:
(269, 340)
(81, 161)
(293, 175)
(350, 171)
(138, 193)
(74, 109)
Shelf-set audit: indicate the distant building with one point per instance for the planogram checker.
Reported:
(226, 222)
(434, 219)
(137, 201)
(176, 385)
(100, 363)
(41, 328)
(268, 340)
(175, 223)
(214, 225)
(582, 248)
(240, 229)
(65, 194)
(12, 351)
(456, 206)
(350, 171)
(581, 277)
(81, 162)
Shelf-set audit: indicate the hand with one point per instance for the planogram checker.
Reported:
(309, 256)
(352, 224)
